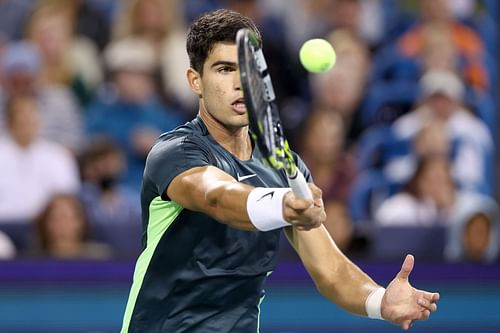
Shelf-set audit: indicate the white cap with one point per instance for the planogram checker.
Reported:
(7, 248)
(442, 82)
(132, 54)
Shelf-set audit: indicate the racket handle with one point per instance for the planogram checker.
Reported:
(299, 186)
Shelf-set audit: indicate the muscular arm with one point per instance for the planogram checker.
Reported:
(342, 282)
(335, 276)
(210, 190)
(214, 192)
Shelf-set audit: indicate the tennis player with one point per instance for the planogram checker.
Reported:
(213, 214)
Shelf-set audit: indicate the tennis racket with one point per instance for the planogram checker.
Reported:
(264, 121)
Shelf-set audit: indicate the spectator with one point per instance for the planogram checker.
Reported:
(339, 224)
(417, 203)
(161, 24)
(475, 233)
(60, 119)
(441, 98)
(333, 169)
(66, 59)
(130, 112)
(105, 201)
(90, 21)
(466, 41)
(32, 169)
(62, 231)
(343, 14)
(302, 19)
(323, 149)
(365, 19)
(429, 198)
(439, 50)
(430, 140)
(341, 89)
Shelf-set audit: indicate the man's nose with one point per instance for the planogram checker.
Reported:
(237, 80)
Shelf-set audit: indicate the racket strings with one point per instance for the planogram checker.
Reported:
(263, 115)
(260, 102)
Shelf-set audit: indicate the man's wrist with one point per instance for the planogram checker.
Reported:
(265, 208)
(373, 303)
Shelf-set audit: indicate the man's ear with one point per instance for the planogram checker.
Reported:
(194, 80)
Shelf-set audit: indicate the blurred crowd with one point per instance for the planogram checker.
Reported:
(400, 134)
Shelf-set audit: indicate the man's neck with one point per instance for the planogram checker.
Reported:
(236, 141)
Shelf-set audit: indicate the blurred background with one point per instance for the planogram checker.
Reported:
(401, 135)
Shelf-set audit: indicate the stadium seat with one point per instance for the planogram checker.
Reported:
(389, 65)
(394, 242)
(369, 190)
(124, 240)
(386, 101)
(21, 234)
(485, 26)
(483, 106)
(378, 145)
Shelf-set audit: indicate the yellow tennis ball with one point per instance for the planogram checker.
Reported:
(317, 55)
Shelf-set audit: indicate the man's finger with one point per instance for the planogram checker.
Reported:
(406, 268)
(315, 191)
(406, 324)
(424, 315)
(432, 307)
(300, 204)
(432, 297)
(318, 202)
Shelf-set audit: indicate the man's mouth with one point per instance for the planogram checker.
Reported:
(239, 105)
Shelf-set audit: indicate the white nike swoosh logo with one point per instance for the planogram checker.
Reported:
(240, 178)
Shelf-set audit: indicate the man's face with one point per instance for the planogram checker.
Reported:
(134, 86)
(477, 236)
(441, 105)
(220, 88)
(19, 82)
(24, 123)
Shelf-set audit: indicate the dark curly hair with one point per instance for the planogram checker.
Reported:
(211, 28)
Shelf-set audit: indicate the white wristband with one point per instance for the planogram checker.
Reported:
(265, 208)
(373, 304)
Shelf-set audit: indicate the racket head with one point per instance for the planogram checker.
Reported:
(260, 101)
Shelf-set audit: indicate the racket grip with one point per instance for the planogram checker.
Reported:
(299, 186)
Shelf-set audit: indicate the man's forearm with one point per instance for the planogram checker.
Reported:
(335, 276)
(348, 287)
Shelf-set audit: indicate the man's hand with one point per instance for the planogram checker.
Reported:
(304, 213)
(402, 304)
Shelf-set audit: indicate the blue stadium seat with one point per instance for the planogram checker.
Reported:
(483, 106)
(490, 62)
(124, 240)
(386, 101)
(389, 65)
(394, 242)
(20, 233)
(378, 145)
(493, 8)
(369, 190)
(484, 24)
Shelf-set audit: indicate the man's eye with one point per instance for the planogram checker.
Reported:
(226, 69)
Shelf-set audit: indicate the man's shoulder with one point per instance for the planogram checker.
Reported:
(190, 131)
(185, 141)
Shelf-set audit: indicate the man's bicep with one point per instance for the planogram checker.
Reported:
(190, 188)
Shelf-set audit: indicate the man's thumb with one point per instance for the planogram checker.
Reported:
(407, 267)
